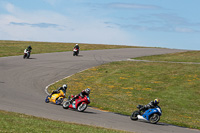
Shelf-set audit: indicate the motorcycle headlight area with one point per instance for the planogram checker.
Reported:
(159, 110)
(88, 98)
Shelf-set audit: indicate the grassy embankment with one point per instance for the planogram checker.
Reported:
(19, 123)
(190, 56)
(121, 86)
(13, 48)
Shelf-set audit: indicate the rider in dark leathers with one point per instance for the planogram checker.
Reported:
(77, 47)
(152, 104)
(83, 93)
(64, 88)
(29, 48)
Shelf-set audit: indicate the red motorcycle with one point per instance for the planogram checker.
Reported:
(75, 52)
(80, 103)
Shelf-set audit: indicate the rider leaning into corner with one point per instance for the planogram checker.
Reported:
(152, 104)
(29, 48)
(77, 47)
(83, 93)
(64, 88)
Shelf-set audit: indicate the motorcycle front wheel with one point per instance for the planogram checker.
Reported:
(47, 99)
(154, 118)
(134, 115)
(24, 56)
(74, 53)
(82, 107)
(66, 104)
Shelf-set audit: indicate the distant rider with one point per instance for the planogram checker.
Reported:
(29, 48)
(63, 88)
(83, 93)
(152, 104)
(77, 47)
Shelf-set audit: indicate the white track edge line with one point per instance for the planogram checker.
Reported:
(46, 88)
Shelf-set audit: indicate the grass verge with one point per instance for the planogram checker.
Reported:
(20, 123)
(13, 48)
(190, 56)
(120, 86)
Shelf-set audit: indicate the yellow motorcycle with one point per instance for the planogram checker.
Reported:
(56, 98)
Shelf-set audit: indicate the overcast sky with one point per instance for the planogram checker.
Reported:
(155, 23)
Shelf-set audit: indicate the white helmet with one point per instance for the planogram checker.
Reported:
(76, 44)
(87, 91)
(64, 86)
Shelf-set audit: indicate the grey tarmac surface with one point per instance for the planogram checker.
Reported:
(23, 82)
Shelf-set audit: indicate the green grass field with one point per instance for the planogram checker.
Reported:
(19, 123)
(121, 86)
(12, 48)
(190, 56)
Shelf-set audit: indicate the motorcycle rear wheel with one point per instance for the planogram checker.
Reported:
(134, 115)
(66, 104)
(154, 118)
(82, 107)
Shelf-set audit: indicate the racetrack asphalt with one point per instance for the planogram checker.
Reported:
(23, 82)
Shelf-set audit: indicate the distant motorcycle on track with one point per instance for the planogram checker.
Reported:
(75, 52)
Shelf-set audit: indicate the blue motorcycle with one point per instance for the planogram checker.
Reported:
(152, 115)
